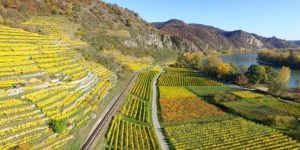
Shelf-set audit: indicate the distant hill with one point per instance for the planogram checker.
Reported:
(208, 37)
(296, 42)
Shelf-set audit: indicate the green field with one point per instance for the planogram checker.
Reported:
(208, 90)
(255, 106)
(269, 110)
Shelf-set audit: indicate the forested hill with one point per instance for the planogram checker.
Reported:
(107, 26)
(208, 37)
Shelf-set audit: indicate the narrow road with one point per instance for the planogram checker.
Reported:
(105, 118)
(156, 124)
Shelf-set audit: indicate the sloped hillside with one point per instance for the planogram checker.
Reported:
(207, 37)
(104, 26)
(50, 82)
(44, 80)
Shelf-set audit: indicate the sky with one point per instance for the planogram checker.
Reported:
(280, 18)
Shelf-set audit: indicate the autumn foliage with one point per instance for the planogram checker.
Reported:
(224, 69)
(280, 83)
(187, 109)
(290, 58)
(24, 146)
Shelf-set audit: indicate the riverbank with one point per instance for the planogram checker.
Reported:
(279, 58)
(248, 59)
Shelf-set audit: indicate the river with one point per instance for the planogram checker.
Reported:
(248, 59)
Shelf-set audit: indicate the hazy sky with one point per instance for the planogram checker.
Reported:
(280, 18)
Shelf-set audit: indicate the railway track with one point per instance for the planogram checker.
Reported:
(108, 114)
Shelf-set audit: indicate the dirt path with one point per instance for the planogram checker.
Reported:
(156, 124)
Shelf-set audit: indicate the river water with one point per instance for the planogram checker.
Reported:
(248, 59)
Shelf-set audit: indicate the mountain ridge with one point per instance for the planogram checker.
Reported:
(209, 37)
(108, 26)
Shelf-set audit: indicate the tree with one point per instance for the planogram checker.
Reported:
(54, 10)
(292, 58)
(241, 80)
(11, 3)
(224, 69)
(211, 63)
(58, 126)
(270, 72)
(180, 61)
(214, 61)
(69, 9)
(128, 23)
(194, 58)
(284, 76)
(242, 69)
(298, 83)
(280, 83)
(286, 121)
(257, 74)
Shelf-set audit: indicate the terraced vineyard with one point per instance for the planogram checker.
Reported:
(132, 128)
(43, 79)
(228, 134)
(183, 77)
(133, 63)
(56, 26)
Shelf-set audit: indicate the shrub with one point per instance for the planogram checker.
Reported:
(225, 71)
(76, 7)
(288, 121)
(128, 23)
(1, 20)
(24, 146)
(246, 94)
(257, 74)
(58, 126)
(224, 97)
(211, 63)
